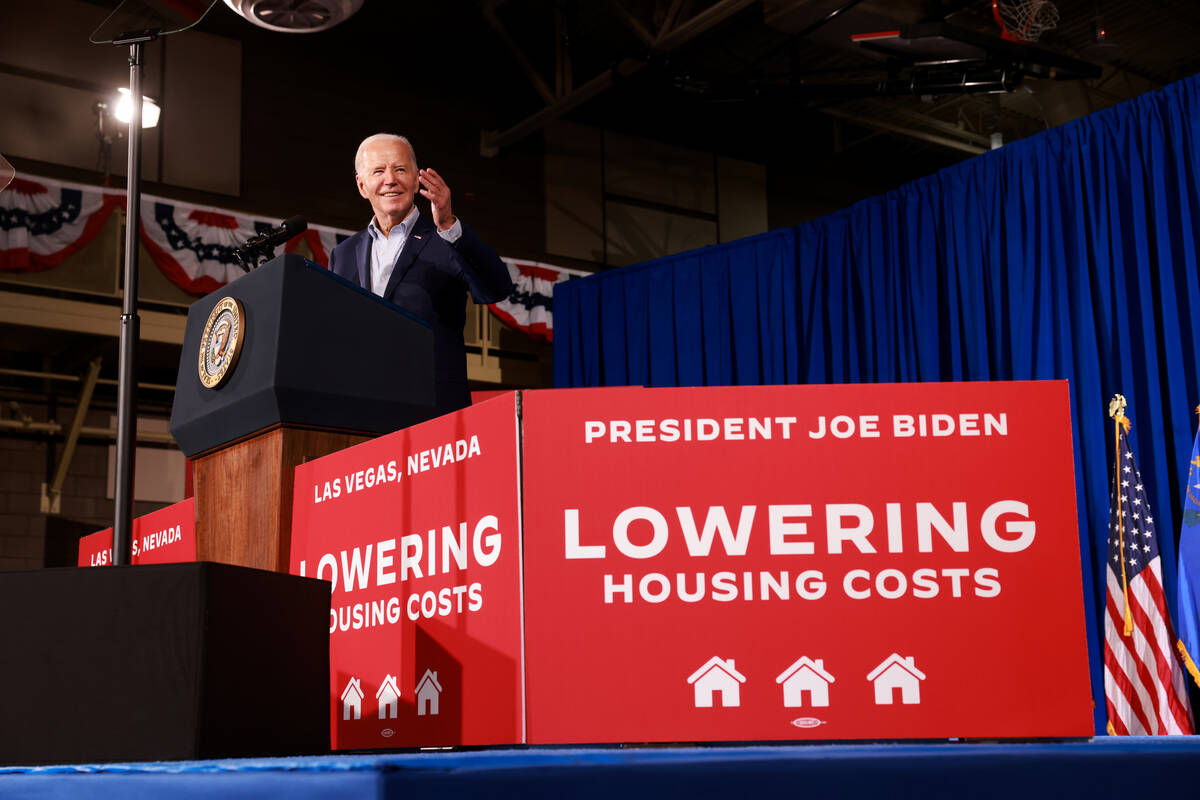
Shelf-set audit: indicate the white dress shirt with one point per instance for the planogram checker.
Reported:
(386, 249)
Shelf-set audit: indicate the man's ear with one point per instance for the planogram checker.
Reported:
(361, 189)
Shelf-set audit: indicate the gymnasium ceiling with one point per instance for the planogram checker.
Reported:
(749, 70)
(767, 80)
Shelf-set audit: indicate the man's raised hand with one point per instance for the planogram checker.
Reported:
(438, 194)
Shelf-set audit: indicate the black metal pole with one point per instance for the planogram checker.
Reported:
(127, 374)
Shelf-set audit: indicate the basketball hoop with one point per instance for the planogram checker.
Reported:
(1024, 20)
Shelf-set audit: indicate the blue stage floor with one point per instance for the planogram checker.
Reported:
(1101, 768)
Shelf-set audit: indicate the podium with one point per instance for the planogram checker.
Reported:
(285, 364)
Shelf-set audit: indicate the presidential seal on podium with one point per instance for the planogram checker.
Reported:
(221, 343)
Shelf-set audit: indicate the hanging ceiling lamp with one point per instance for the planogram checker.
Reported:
(295, 16)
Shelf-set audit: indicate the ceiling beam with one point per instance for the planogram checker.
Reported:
(491, 142)
(891, 127)
(707, 19)
(632, 22)
(526, 66)
(668, 21)
(943, 126)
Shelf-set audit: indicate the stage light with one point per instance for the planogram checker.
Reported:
(124, 110)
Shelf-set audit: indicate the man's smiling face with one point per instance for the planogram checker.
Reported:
(387, 178)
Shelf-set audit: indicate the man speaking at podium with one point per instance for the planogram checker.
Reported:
(425, 266)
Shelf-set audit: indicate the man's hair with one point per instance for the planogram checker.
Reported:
(379, 137)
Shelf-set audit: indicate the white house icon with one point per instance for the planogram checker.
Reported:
(429, 691)
(389, 698)
(717, 675)
(897, 672)
(352, 697)
(805, 675)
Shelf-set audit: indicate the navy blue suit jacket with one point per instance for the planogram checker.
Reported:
(431, 280)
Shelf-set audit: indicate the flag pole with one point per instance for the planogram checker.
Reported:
(1116, 410)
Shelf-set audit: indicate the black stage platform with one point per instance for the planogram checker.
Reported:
(1107, 767)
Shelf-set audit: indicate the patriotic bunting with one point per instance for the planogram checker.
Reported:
(530, 307)
(193, 245)
(43, 221)
(1144, 684)
(194, 248)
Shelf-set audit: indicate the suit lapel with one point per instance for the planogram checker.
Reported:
(362, 256)
(416, 240)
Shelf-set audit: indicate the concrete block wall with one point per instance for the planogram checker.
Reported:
(22, 525)
(26, 463)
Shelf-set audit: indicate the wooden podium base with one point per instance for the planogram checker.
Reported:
(244, 494)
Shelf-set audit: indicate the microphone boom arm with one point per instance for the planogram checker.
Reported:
(261, 248)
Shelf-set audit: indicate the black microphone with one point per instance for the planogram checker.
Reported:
(263, 245)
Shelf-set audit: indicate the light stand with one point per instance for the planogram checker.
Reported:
(135, 23)
(130, 323)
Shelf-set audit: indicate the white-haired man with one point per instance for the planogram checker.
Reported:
(425, 266)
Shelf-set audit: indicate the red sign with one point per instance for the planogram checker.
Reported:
(419, 533)
(166, 536)
(803, 562)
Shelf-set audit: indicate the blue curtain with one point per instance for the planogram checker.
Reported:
(1071, 254)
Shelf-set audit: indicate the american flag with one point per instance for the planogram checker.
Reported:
(1143, 681)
